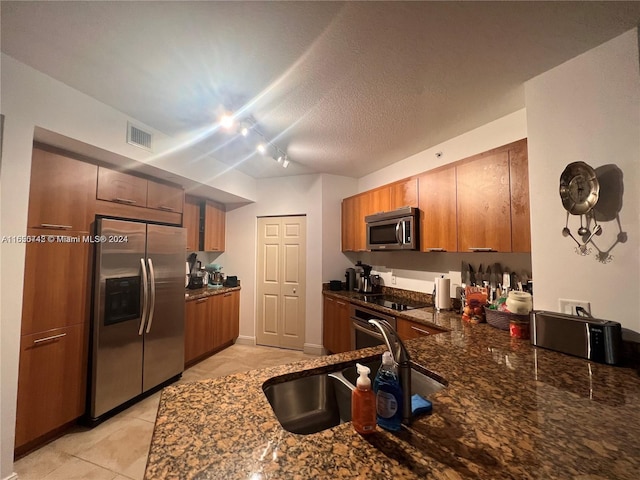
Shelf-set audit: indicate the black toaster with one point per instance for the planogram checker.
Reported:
(591, 338)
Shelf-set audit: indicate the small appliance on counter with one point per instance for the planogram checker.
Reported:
(350, 279)
(231, 281)
(197, 274)
(364, 285)
(591, 338)
(376, 284)
(216, 277)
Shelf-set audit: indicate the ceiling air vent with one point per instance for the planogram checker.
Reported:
(138, 137)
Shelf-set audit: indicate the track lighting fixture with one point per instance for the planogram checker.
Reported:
(227, 121)
(248, 126)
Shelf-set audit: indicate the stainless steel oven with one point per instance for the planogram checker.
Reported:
(363, 334)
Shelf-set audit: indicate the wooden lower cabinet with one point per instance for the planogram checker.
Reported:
(336, 326)
(51, 382)
(408, 329)
(226, 318)
(198, 329)
(211, 323)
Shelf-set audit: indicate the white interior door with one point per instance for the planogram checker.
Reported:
(281, 281)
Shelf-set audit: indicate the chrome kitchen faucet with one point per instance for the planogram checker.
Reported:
(401, 357)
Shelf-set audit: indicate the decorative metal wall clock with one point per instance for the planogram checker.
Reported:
(579, 192)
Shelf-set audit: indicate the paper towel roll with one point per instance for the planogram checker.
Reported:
(442, 300)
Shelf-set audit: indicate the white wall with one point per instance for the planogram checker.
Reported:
(334, 189)
(504, 130)
(587, 109)
(317, 197)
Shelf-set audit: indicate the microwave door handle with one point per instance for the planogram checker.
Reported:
(152, 300)
(404, 232)
(401, 235)
(145, 296)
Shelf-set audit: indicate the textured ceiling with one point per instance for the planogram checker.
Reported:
(344, 88)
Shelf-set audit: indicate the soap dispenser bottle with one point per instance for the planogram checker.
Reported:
(388, 391)
(363, 403)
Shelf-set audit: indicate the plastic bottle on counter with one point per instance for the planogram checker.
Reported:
(388, 394)
(363, 403)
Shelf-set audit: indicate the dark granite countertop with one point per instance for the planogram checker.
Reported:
(509, 411)
(198, 293)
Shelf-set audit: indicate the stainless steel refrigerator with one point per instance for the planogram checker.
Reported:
(138, 321)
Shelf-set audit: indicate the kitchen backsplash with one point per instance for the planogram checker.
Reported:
(417, 271)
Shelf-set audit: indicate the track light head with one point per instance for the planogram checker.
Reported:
(227, 121)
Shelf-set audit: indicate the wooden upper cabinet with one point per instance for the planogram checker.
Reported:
(403, 194)
(214, 227)
(484, 202)
(348, 224)
(191, 221)
(353, 239)
(62, 193)
(362, 208)
(519, 174)
(481, 202)
(376, 201)
(121, 187)
(164, 197)
(437, 203)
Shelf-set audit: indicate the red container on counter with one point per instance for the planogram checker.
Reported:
(519, 329)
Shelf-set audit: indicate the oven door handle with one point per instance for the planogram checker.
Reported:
(367, 331)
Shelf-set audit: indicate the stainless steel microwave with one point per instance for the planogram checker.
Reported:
(394, 230)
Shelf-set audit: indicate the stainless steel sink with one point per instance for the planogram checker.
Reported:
(318, 402)
(421, 383)
(310, 404)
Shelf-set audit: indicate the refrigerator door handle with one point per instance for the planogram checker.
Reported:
(152, 282)
(145, 296)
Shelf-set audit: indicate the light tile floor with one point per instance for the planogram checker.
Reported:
(117, 449)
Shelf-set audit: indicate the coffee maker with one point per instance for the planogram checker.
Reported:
(350, 279)
(364, 282)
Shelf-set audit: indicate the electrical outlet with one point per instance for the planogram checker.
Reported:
(569, 306)
(393, 279)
